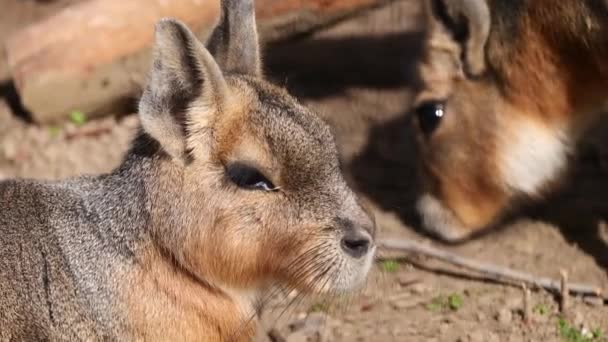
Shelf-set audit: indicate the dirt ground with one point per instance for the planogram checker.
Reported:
(359, 75)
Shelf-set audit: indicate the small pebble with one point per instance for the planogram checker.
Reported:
(313, 321)
(504, 316)
(477, 336)
(406, 303)
(593, 301)
(274, 335)
(302, 336)
(444, 328)
(367, 306)
(515, 338)
(493, 337)
(541, 318)
(577, 318)
(514, 303)
(9, 149)
(420, 288)
(406, 280)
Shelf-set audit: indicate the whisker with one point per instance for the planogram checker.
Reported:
(300, 296)
(311, 269)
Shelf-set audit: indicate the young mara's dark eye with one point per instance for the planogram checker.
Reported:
(429, 115)
(248, 177)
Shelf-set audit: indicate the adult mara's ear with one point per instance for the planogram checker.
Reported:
(468, 23)
(234, 42)
(182, 71)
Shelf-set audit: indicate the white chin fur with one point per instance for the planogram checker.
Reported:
(530, 155)
(352, 273)
(439, 220)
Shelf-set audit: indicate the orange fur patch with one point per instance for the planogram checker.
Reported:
(166, 303)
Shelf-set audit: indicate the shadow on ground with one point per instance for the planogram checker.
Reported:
(318, 68)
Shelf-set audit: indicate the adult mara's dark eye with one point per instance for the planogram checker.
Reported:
(248, 177)
(429, 115)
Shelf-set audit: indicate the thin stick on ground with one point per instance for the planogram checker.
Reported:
(527, 312)
(495, 272)
(564, 291)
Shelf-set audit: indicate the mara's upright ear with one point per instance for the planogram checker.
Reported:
(468, 23)
(234, 42)
(182, 71)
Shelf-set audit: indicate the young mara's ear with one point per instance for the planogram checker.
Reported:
(468, 23)
(234, 42)
(182, 71)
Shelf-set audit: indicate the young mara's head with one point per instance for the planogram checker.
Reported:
(260, 196)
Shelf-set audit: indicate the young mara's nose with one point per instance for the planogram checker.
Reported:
(357, 236)
(355, 243)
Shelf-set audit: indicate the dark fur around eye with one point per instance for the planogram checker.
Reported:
(248, 177)
(430, 115)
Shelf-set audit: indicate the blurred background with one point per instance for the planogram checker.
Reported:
(70, 75)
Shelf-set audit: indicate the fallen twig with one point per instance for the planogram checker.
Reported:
(492, 271)
(527, 313)
(564, 291)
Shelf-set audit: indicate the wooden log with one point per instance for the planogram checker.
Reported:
(16, 14)
(92, 56)
(85, 56)
(281, 19)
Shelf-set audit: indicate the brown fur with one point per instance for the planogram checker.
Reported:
(544, 70)
(182, 308)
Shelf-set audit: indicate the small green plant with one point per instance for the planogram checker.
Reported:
(436, 303)
(389, 266)
(452, 302)
(319, 307)
(455, 301)
(572, 334)
(54, 131)
(597, 333)
(540, 309)
(78, 118)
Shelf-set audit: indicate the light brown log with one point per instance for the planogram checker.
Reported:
(16, 14)
(92, 56)
(85, 57)
(281, 19)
